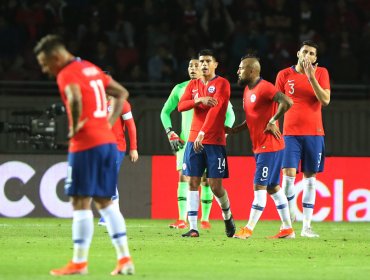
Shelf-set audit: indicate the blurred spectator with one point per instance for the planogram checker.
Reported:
(162, 66)
(155, 38)
(217, 24)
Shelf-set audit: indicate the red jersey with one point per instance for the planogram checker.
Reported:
(125, 120)
(304, 117)
(210, 120)
(92, 82)
(259, 108)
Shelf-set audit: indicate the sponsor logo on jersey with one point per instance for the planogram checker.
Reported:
(212, 89)
(253, 98)
(90, 71)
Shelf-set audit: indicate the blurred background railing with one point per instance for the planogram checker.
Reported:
(346, 119)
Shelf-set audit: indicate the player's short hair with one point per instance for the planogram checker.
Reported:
(250, 55)
(207, 52)
(48, 44)
(312, 44)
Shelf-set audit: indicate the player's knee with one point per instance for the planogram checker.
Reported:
(291, 172)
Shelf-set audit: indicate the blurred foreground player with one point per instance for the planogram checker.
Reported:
(91, 173)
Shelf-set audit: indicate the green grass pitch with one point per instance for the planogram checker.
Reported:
(30, 247)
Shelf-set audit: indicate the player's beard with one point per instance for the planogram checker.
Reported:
(243, 82)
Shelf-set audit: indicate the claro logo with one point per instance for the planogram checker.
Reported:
(357, 200)
(47, 190)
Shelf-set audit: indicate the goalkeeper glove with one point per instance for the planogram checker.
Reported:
(175, 141)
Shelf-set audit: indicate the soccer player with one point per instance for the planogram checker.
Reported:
(263, 105)
(91, 173)
(209, 97)
(177, 146)
(309, 87)
(125, 120)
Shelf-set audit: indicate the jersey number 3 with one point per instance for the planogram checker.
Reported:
(291, 85)
(101, 102)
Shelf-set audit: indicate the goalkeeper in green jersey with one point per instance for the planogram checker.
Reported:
(178, 147)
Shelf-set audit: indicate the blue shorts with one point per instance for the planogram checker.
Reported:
(310, 150)
(268, 166)
(119, 159)
(212, 157)
(92, 172)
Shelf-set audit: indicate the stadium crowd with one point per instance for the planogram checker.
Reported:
(152, 40)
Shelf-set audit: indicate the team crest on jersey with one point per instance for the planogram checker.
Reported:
(212, 89)
(253, 98)
(109, 108)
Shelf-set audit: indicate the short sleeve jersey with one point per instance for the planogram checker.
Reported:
(210, 120)
(119, 127)
(92, 82)
(259, 107)
(304, 117)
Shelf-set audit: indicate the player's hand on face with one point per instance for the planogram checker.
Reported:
(273, 129)
(309, 68)
(134, 156)
(74, 130)
(209, 101)
(175, 141)
(198, 146)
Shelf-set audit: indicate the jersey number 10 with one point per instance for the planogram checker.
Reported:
(101, 101)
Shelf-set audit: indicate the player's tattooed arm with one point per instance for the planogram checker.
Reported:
(74, 97)
(284, 105)
(236, 129)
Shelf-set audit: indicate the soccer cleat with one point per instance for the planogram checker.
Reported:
(181, 224)
(70, 268)
(125, 266)
(284, 233)
(243, 233)
(102, 222)
(308, 232)
(205, 225)
(191, 233)
(230, 227)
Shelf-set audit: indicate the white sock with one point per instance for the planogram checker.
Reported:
(116, 227)
(225, 206)
(281, 203)
(192, 205)
(288, 188)
(259, 203)
(116, 203)
(308, 200)
(82, 233)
